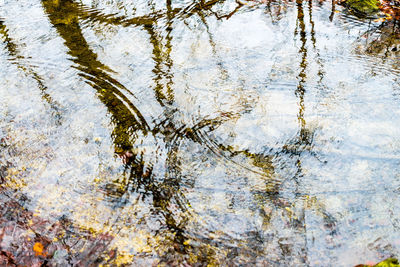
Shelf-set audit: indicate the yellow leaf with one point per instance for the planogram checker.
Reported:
(38, 248)
(379, 20)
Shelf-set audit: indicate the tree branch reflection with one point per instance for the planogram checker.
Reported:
(12, 50)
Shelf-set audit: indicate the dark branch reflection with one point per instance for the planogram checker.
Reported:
(125, 116)
(16, 58)
(300, 144)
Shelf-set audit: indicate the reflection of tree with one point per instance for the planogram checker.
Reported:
(333, 10)
(18, 59)
(303, 142)
(313, 40)
(290, 156)
(163, 64)
(125, 116)
(165, 192)
(127, 119)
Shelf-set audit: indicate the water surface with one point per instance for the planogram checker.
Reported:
(194, 133)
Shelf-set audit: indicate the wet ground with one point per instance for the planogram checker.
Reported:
(187, 133)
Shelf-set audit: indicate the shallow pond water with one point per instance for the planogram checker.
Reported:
(194, 133)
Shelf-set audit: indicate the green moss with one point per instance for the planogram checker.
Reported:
(391, 262)
(364, 6)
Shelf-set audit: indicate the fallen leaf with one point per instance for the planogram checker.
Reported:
(38, 248)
